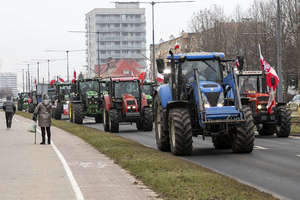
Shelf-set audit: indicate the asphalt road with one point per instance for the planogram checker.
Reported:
(273, 166)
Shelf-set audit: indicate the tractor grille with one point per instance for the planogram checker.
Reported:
(212, 98)
(263, 98)
(210, 86)
(130, 102)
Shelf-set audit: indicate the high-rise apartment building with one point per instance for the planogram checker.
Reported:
(116, 33)
(8, 83)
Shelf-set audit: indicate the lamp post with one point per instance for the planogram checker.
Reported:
(279, 63)
(67, 56)
(98, 47)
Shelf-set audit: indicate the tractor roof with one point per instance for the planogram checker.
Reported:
(198, 55)
(129, 78)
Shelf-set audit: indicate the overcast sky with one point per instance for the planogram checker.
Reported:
(28, 28)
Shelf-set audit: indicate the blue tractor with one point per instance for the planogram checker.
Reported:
(199, 100)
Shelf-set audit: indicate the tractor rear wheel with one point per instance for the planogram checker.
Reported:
(99, 119)
(147, 122)
(113, 121)
(78, 114)
(222, 141)
(180, 132)
(243, 136)
(285, 122)
(161, 136)
(105, 121)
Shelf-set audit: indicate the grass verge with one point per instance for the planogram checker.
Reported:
(169, 176)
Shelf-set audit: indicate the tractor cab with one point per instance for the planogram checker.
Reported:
(125, 102)
(252, 85)
(147, 89)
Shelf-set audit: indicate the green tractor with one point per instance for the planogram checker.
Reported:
(23, 101)
(147, 89)
(86, 100)
(61, 98)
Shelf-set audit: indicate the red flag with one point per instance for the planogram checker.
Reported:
(176, 46)
(52, 82)
(160, 78)
(73, 81)
(34, 82)
(61, 80)
(237, 64)
(142, 77)
(74, 74)
(270, 75)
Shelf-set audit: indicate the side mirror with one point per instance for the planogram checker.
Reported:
(241, 62)
(160, 65)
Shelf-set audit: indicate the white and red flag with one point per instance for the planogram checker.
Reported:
(61, 80)
(270, 75)
(160, 78)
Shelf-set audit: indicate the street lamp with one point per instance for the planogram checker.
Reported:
(152, 4)
(67, 52)
(279, 68)
(98, 47)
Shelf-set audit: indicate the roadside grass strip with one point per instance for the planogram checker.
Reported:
(169, 176)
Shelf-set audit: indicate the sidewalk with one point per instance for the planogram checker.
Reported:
(29, 171)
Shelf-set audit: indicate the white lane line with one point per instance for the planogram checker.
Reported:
(298, 155)
(295, 137)
(76, 188)
(261, 148)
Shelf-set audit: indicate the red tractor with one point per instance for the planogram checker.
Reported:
(125, 102)
(252, 84)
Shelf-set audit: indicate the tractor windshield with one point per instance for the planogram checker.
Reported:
(65, 89)
(147, 89)
(208, 70)
(89, 86)
(126, 87)
(248, 84)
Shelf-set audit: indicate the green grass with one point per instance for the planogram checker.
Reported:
(169, 176)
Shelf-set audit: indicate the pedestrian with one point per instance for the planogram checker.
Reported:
(10, 108)
(42, 113)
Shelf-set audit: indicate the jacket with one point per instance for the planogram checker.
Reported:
(43, 113)
(9, 106)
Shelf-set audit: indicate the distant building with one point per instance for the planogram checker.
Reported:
(8, 83)
(121, 31)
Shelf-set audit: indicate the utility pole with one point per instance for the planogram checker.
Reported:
(23, 79)
(28, 77)
(98, 47)
(38, 72)
(67, 56)
(279, 68)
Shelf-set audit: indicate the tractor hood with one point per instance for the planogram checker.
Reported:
(148, 97)
(210, 86)
(129, 103)
(91, 93)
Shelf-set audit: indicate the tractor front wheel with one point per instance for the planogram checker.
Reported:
(243, 136)
(180, 132)
(147, 122)
(161, 136)
(78, 114)
(285, 122)
(113, 121)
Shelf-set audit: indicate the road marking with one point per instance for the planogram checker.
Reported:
(295, 137)
(298, 155)
(260, 148)
(76, 189)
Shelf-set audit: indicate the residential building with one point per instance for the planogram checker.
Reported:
(115, 33)
(8, 83)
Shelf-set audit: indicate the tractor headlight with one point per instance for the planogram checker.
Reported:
(220, 102)
(133, 107)
(259, 107)
(67, 102)
(128, 107)
(205, 101)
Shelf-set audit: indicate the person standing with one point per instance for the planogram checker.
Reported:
(9, 108)
(42, 113)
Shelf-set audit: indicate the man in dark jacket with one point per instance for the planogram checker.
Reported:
(10, 108)
(42, 113)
